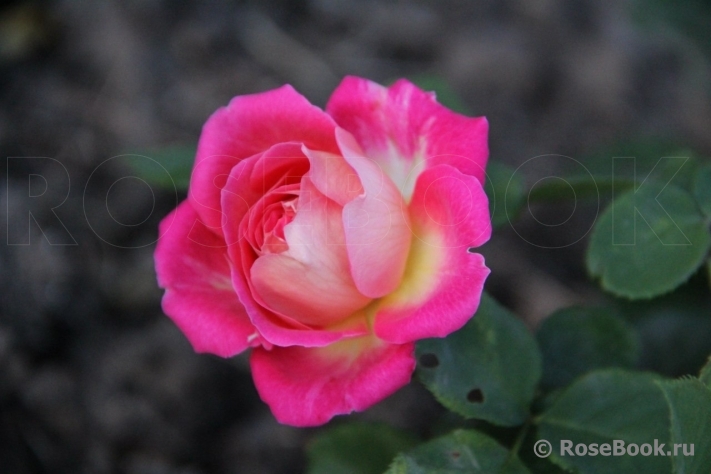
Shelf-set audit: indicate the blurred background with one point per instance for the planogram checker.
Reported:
(95, 379)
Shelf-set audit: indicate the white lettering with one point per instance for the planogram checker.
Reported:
(618, 448)
(565, 446)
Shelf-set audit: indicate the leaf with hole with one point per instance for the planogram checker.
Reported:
(356, 448)
(690, 406)
(489, 369)
(605, 406)
(648, 242)
(462, 451)
(577, 340)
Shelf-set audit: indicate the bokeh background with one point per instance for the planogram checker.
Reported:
(95, 379)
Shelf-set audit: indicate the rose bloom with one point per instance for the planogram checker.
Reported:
(328, 241)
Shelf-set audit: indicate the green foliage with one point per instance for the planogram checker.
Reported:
(583, 185)
(356, 448)
(631, 163)
(705, 374)
(673, 329)
(574, 380)
(168, 168)
(702, 189)
(648, 242)
(488, 370)
(604, 406)
(462, 451)
(577, 340)
(619, 168)
(690, 407)
(527, 454)
(689, 18)
(505, 190)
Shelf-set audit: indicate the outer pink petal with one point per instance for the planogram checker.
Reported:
(192, 266)
(443, 281)
(377, 227)
(406, 130)
(308, 386)
(249, 125)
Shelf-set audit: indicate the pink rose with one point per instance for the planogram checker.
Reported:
(328, 241)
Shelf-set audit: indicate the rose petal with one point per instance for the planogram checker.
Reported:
(311, 281)
(192, 266)
(275, 327)
(251, 178)
(280, 165)
(405, 130)
(308, 386)
(377, 229)
(282, 330)
(302, 292)
(333, 176)
(443, 281)
(249, 125)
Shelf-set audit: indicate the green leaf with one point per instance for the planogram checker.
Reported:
(583, 187)
(403, 464)
(690, 405)
(675, 340)
(702, 189)
(356, 448)
(604, 406)
(489, 369)
(619, 168)
(648, 242)
(705, 374)
(527, 455)
(462, 451)
(505, 190)
(577, 340)
(631, 163)
(169, 168)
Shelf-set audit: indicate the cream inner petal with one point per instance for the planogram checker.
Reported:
(402, 170)
(309, 279)
(377, 225)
